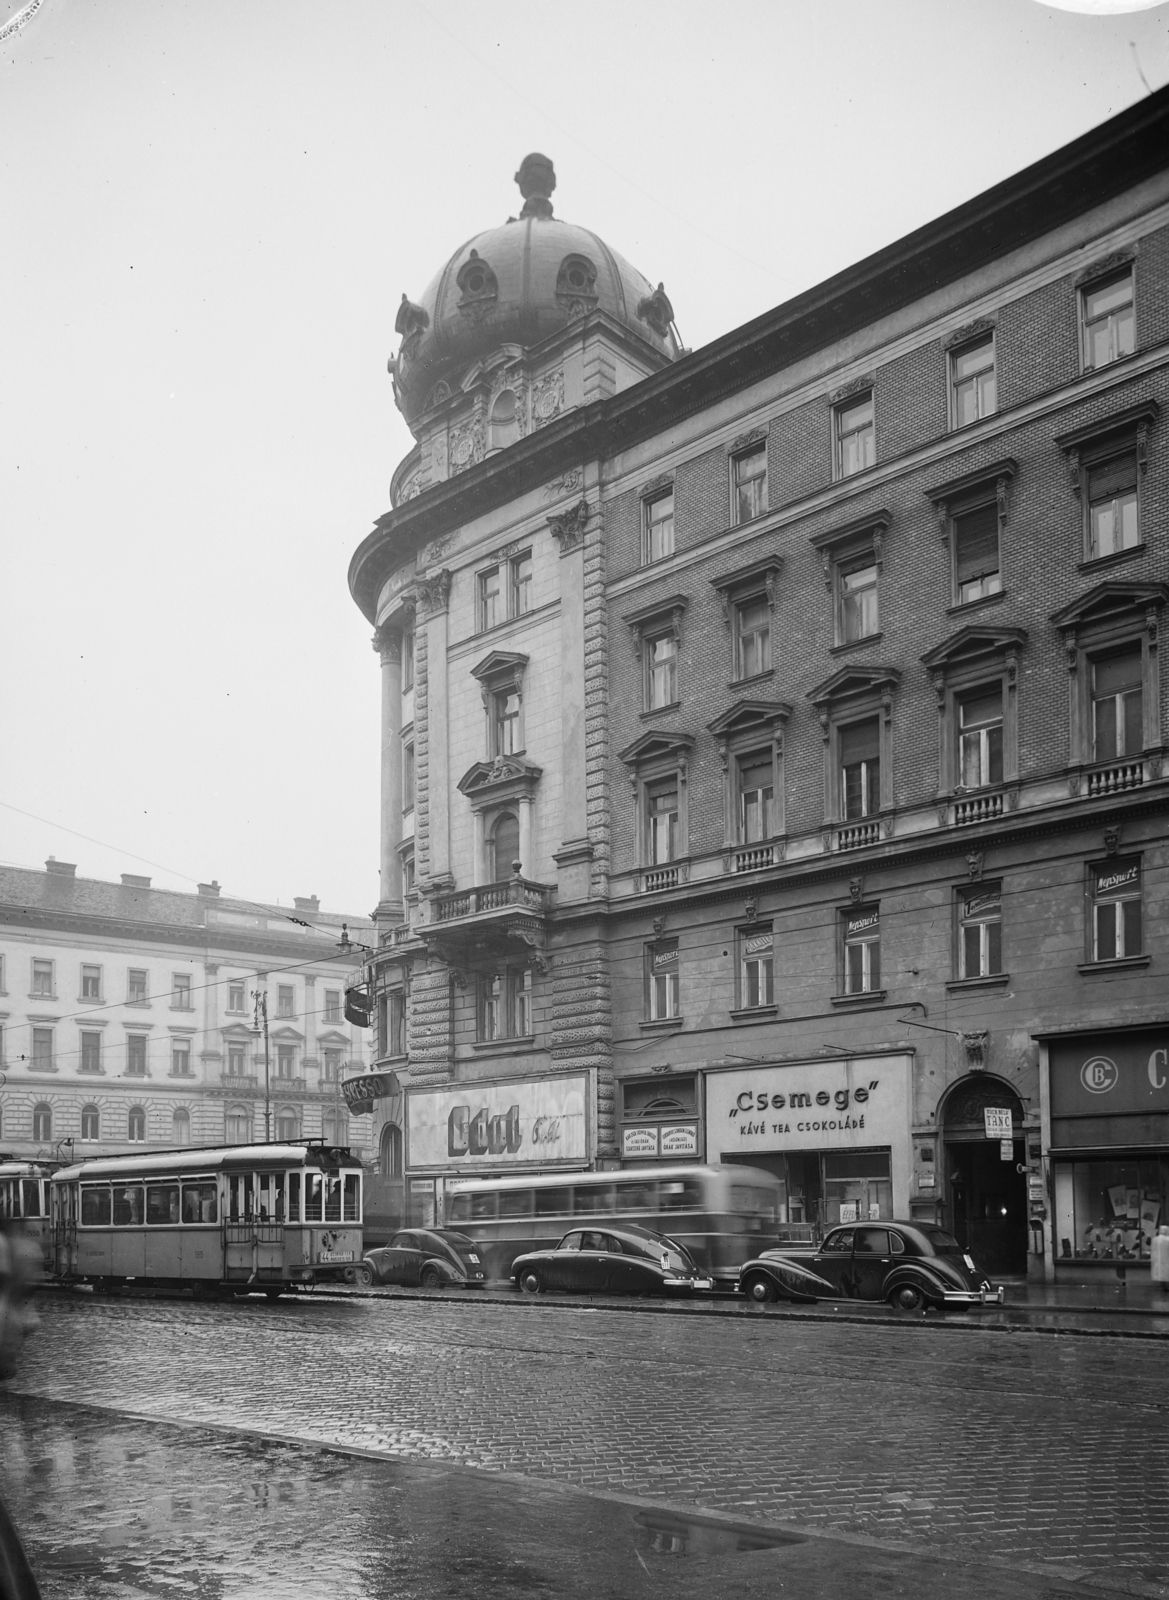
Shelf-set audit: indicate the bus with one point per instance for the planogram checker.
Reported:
(723, 1215)
(24, 1201)
(268, 1217)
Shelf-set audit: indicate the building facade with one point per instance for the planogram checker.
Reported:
(129, 1019)
(773, 735)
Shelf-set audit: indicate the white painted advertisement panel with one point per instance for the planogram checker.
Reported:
(474, 1127)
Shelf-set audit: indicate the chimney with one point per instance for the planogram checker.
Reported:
(308, 905)
(62, 869)
(209, 891)
(131, 880)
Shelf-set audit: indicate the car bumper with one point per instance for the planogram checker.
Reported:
(974, 1297)
(687, 1283)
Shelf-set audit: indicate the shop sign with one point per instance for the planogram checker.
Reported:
(861, 922)
(523, 1121)
(362, 1093)
(825, 1105)
(1006, 1149)
(1110, 1074)
(639, 1141)
(680, 1140)
(998, 1122)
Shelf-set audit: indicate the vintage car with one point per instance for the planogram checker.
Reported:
(910, 1265)
(431, 1257)
(627, 1260)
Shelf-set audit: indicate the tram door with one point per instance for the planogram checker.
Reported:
(254, 1225)
(63, 1203)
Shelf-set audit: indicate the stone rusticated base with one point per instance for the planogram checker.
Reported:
(430, 1042)
(582, 1029)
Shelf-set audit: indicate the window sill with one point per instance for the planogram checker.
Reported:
(138, 1005)
(661, 1024)
(92, 1072)
(1116, 559)
(659, 711)
(33, 996)
(90, 1000)
(499, 1047)
(1124, 964)
(748, 1014)
(963, 606)
(182, 1008)
(992, 980)
(138, 1077)
(756, 677)
(867, 997)
(189, 1076)
(33, 1067)
(856, 644)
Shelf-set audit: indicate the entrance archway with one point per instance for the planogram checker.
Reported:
(986, 1196)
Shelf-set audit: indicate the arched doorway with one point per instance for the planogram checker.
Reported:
(986, 1195)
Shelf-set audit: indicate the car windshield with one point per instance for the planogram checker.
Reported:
(944, 1243)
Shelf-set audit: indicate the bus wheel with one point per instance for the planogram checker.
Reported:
(759, 1289)
(530, 1282)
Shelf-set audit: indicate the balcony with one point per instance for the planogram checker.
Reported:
(977, 808)
(1116, 778)
(286, 1085)
(486, 920)
(752, 858)
(856, 835)
(240, 1081)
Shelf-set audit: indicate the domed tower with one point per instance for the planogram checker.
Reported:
(524, 322)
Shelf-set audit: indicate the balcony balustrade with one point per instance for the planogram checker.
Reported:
(486, 919)
(1116, 778)
(858, 834)
(238, 1080)
(977, 808)
(752, 857)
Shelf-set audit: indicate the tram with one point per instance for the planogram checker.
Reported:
(24, 1201)
(232, 1218)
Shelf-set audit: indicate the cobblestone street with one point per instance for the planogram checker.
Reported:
(1016, 1448)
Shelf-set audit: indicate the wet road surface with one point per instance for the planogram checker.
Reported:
(916, 1460)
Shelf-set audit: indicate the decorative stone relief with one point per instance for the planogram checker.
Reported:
(434, 591)
(974, 866)
(468, 443)
(566, 484)
(569, 526)
(1105, 265)
(968, 332)
(656, 310)
(547, 398)
(745, 440)
(854, 386)
(975, 1044)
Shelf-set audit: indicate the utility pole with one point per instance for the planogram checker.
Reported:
(260, 997)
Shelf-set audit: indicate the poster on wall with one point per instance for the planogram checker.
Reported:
(521, 1122)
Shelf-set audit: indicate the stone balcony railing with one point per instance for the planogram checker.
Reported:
(453, 905)
(238, 1080)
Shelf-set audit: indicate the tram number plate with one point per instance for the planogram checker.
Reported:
(336, 1255)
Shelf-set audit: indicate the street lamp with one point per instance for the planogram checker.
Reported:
(260, 1023)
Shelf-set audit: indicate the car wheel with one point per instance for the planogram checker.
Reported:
(907, 1298)
(363, 1275)
(272, 1294)
(759, 1289)
(431, 1277)
(530, 1281)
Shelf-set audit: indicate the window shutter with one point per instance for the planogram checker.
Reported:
(977, 535)
(1116, 673)
(860, 741)
(1114, 477)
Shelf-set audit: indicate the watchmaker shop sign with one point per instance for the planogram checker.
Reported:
(848, 1104)
(1112, 1075)
(484, 1126)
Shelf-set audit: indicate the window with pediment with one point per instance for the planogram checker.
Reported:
(852, 558)
(1108, 462)
(656, 631)
(855, 708)
(972, 511)
(975, 675)
(748, 597)
(501, 680)
(750, 738)
(658, 766)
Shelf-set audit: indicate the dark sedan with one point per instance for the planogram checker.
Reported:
(910, 1265)
(431, 1257)
(610, 1261)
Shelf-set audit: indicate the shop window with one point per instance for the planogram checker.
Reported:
(1108, 319)
(1115, 907)
(661, 974)
(973, 384)
(658, 527)
(854, 436)
(857, 1187)
(749, 483)
(1109, 1210)
(861, 946)
(756, 968)
(980, 931)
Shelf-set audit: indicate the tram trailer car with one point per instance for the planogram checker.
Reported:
(267, 1217)
(24, 1202)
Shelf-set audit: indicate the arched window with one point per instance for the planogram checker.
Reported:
(287, 1124)
(237, 1125)
(42, 1122)
(505, 846)
(136, 1125)
(90, 1123)
(181, 1127)
(391, 1151)
(503, 425)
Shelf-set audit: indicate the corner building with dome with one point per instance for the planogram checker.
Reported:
(772, 735)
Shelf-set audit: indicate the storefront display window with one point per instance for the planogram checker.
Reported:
(857, 1187)
(1109, 1210)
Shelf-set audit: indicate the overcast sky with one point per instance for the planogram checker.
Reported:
(211, 209)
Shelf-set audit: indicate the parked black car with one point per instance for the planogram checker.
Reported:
(431, 1257)
(610, 1261)
(910, 1265)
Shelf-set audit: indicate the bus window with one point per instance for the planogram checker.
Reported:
(515, 1202)
(32, 1197)
(458, 1208)
(294, 1197)
(313, 1196)
(95, 1208)
(128, 1205)
(589, 1198)
(553, 1202)
(680, 1195)
(754, 1201)
(640, 1196)
(199, 1203)
(483, 1207)
(351, 1205)
(162, 1203)
(332, 1197)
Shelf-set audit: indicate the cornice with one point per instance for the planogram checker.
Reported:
(197, 940)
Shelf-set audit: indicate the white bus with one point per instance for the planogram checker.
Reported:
(723, 1215)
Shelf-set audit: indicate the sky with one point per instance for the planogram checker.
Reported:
(211, 209)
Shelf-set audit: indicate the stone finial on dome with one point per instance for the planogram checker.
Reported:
(537, 179)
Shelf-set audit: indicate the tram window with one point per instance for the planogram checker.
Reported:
(294, 1197)
(241, 1198)
(515, 1203)
(483, 1206)
(9, 1200)
(591, 1198)
(553, 1202)
(162, 1204)
(352, 1200)
(128, 1205)
(313, 1196)
(270, 1197)
(200, 1203)
(459, 1208)
(637, 1196)
(332, 1197)
(32, 1197)
(681, 1195)
(95, 1208)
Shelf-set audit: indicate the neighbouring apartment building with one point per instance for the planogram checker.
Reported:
(773, 734)
(128, 1017)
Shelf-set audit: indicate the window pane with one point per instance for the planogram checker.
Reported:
(1115, 673)
(859, 602)
(1105, 931)
(977, 539)
(659, 515)
(1108, 297)
(859, 741)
